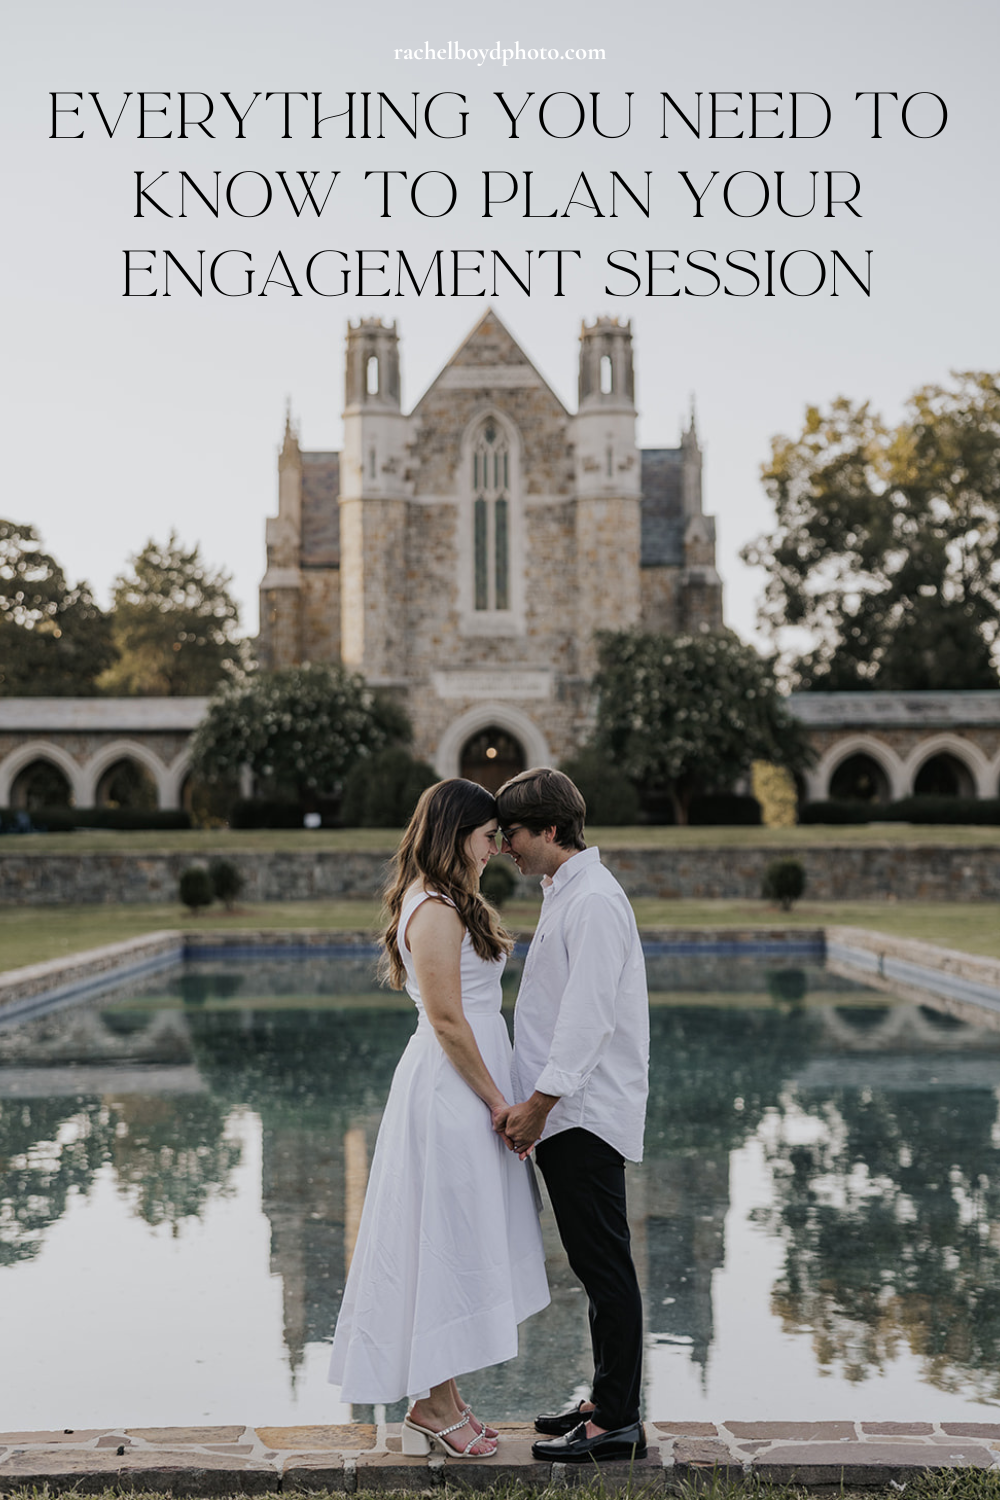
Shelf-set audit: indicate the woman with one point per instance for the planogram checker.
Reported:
(449, 1255)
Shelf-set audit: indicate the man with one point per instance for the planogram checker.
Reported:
(581, 1064)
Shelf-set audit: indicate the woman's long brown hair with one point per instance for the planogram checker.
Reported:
(433, 850)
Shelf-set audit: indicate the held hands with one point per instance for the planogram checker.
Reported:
(501, 1116)
(520, 1125)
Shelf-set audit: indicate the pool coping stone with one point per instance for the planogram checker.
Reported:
(209, 1461)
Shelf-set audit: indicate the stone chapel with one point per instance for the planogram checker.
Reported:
(463, 554)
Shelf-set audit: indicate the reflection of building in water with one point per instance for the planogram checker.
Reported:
(305, 1191)
(678, 1219)
(313, 1183)
(312, 1193)
(313, 1189)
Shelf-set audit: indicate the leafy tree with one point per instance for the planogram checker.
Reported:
(54, 640)
(681, 715)
(887, 548)
(174, 624)
(612, 800)
(299, 730)
(382, 790)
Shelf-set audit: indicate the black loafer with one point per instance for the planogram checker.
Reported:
(576, 1447)
(558, 1423)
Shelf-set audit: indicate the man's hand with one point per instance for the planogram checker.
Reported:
(525, 1122)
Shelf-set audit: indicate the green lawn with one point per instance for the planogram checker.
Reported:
(940, 1484)
(226, 840)
(31, 934)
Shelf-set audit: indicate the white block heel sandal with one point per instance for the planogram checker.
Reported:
(418, 1441)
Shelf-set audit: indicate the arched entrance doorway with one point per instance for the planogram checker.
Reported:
(38, 785)
(944, 776)
(859, 778)
(126, 783)
(491, 757)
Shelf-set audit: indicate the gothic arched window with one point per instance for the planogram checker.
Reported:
(491, 518)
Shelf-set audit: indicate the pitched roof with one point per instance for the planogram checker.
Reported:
(491, 348)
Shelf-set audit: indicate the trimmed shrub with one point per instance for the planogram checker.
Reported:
(382, 790)
(724, 809)
(227, 882)
(195, 887)
(133, 817)
(257, 812)
(839, 810)
(37, 820)
(942, 810)
(612, 801)
(657, 807)
(968, 810)
(55, 820)
(65, 819)
(498, 881)
(784, 882)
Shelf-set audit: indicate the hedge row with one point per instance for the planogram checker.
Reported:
(906, 810)
(65, 819)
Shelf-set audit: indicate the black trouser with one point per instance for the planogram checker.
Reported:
(585, 1178)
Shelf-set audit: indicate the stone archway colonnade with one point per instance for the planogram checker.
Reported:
(82, 738)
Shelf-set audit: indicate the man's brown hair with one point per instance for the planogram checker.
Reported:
(543, 798)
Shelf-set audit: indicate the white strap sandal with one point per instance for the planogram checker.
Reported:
(418, 1441)
(490, 1433)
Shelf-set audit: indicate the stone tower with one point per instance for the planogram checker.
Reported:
(701, 588)
(373, 491)
(463, 554)
(280, 590)
(608, 487)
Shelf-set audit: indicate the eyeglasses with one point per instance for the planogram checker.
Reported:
(506, 835)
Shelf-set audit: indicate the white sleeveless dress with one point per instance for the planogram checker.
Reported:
(449, 1256)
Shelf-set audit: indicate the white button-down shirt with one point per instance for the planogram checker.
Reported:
(581, 1024)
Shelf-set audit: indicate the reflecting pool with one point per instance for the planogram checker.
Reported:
(183, 1162)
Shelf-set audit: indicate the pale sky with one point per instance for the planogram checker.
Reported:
(125, 417)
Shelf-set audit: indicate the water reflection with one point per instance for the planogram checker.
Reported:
(168, 1155)
(889, 1215)
(878, 1124)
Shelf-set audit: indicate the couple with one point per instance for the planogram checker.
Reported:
(449, 1254)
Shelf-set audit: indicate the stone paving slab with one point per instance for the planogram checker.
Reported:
(345, 1458)
(170, 1437)
(863, 1463)
(704, 1453)
(802, 1432)
(348, 1437)
(901, 1429)
(686, 1429)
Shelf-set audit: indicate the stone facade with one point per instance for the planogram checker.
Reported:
(463, 555)
(83, 740)
(903, 739)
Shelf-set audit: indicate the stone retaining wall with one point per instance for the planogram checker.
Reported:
(927, 872)
(966, 985)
